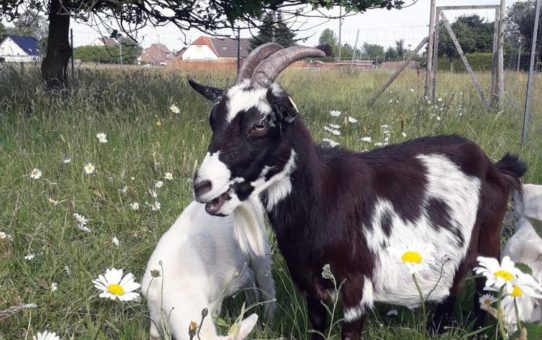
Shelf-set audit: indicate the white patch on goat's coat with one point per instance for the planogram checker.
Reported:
(367, 301)
(240, 98)
(279, 186)
(214, 170)
(392, 280)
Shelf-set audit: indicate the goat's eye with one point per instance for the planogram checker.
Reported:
(259, 129)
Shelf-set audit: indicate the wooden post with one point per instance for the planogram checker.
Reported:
(435, 56)
(395, 74)
(528, 98)
(464, 59)
(500, 66)
(429, 66)
(495, 61)
(354, 51)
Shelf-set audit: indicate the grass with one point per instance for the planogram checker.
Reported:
(146, 140)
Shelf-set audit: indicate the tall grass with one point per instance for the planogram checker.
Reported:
(146, 139)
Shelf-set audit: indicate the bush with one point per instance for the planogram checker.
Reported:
(107, 54)
(478, 62)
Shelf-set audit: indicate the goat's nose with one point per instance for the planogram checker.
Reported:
(201, 188)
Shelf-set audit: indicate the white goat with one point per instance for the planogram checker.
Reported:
(525, 246)
(200, 260)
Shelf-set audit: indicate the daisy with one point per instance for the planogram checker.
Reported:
(352, 120)
(158, 184)
(115, 241)
(102, 137)
(335, 113)
(332, 131)
(35, 173)
(168, 176)
(134, 206)
(66, 160)
(331, 142)
(497, 274)
(392, 312)
(5, 236)
(414, 257)
(403, 134)
(153, 193)
(334, 126)
(155, 206)
(29, 257)
(46, 336)
(523, 293)
(89, 168)
(366, 139)
(114, 286)
(54, 287)
(174, 108)
(486, 301)
(80, 218)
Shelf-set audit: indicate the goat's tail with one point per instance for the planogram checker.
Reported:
(512, 169)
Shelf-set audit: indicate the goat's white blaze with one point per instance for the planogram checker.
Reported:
(217, 172)
(279, 186)
(392, 280)
(240, 98)
(367, 301)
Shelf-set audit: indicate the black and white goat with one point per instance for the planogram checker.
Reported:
(347, 209)
(198, 262)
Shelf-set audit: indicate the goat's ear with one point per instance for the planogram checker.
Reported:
(211, 93)
(282, 105)
(245, 328)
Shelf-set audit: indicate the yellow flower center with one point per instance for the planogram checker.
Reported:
(411, 257)
(487, 302)
(503, 274)
(516, 292)
(115, 289)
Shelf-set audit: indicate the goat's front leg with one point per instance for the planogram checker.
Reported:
(357, 293)
(317, 316)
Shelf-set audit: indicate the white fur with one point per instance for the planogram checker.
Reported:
(200, 262)
(366, 302)
(217, 172)
(525, 246)
(279, 186)
(242, 99)
(392, 280)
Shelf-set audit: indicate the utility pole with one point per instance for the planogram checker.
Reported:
(355, 47)
(340, 29)
(529, 96)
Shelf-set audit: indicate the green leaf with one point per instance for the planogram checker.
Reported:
(534, 331)
(524, 268)
(537, 225)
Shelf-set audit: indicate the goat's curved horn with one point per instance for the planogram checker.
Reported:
(270, 68)
(254, 58)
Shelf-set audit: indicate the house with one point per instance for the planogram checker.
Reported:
(156, 54)
(214, 48)
(104, 41)
(19, 49)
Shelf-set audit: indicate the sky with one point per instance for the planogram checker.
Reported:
(377, 26)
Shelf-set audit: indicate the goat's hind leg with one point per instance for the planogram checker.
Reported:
(357, 294)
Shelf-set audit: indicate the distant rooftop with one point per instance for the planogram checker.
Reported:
(28, 44)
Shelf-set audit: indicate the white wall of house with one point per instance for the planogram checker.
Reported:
(12, 53)
(198, 52)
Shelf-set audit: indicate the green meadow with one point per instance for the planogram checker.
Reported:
(145, 140)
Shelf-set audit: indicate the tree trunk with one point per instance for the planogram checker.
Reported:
(55, 64)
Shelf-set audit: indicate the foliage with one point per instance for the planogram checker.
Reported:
(478, 62)
(473, 34)
(373, 51)
(273, 29)
(38, 130)
(109, 54)
(520, 25)
(328, 37)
